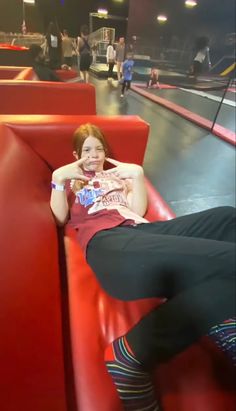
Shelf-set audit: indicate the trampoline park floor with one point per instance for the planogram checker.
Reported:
(191, 168)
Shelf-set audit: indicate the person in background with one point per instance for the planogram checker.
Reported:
(85, 53)
(111, 58)
(67, 48)
(44, 73)
(54, 42)
(94, 49)
(127, 73)
(120, 56)
(203, 54)
(153, 79)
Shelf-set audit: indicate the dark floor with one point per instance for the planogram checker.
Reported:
(192, 169)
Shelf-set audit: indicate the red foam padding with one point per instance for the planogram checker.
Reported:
(218, 130)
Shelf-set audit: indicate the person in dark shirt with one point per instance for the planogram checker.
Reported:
(43, 72)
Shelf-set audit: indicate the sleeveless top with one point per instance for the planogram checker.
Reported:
(101, 204)
(85, 48)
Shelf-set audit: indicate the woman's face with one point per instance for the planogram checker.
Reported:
(94, 151)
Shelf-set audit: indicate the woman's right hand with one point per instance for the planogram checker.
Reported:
(69, 172)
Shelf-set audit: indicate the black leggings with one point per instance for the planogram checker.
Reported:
(126, 85)
(190, 260)
(110, 70)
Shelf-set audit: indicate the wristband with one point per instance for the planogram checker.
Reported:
(58, 187)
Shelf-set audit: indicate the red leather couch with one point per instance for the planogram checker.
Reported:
(10, 72)
(27, 73)
(43, 97)
(34, 341)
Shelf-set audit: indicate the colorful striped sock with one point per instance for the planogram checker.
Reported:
(224, 335)
(133, 384)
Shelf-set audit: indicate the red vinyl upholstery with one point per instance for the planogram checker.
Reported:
(10, 72)
(43, 97)
(26, 74)
(200, 379)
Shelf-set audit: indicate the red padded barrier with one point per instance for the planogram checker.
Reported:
(43, 97)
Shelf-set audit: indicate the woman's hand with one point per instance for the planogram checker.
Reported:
(70, 171)
(124, 170)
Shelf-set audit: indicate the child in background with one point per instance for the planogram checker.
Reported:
(127, 73)
(153, 79)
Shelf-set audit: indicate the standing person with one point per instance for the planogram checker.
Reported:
(120, 56)
(111, 58)
(54, 42)
(67, 48)
(203, 54)
(94, 49)
(127, 73)
(85, 53)
(189, 260)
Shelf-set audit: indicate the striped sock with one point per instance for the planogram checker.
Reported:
(133, 384)
(224, 335)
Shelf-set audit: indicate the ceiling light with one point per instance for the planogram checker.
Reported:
(103, 12)
(162, 18)
(190, 3)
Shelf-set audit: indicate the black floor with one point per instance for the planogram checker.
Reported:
(192, 169)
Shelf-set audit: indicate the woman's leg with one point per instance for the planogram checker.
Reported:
(118, 70)
(128, 83)
(214, 224)
(133, 263)
(123, 87)
(196, 274)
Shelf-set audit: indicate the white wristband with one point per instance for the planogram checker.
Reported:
(58, 187)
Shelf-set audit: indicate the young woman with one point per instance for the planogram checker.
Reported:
(111, 57)
(189, 260)
(202, 55)
(153, 79)
(85, 53)
(54, 42)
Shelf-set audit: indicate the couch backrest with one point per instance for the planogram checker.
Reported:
(26, 74)
(10, 72)
(51, 136)
(42, 97)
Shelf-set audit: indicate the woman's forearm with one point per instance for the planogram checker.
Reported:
(139, 195)
(58, 203)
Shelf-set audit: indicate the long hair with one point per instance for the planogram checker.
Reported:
(84, 131)
(79, 137)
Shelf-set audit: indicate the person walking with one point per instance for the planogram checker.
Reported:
(111, 57)
(120, 56)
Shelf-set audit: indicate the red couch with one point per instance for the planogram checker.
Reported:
(24, 73)
(44, 97)
(10, 72)
(33, 343)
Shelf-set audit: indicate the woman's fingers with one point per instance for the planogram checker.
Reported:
(112, 161)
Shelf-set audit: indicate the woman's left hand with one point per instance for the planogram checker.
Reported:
(124, 170)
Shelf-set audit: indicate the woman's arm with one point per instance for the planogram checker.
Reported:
(137, 196)
(59, 204)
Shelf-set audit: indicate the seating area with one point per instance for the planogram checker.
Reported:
(56, 320)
